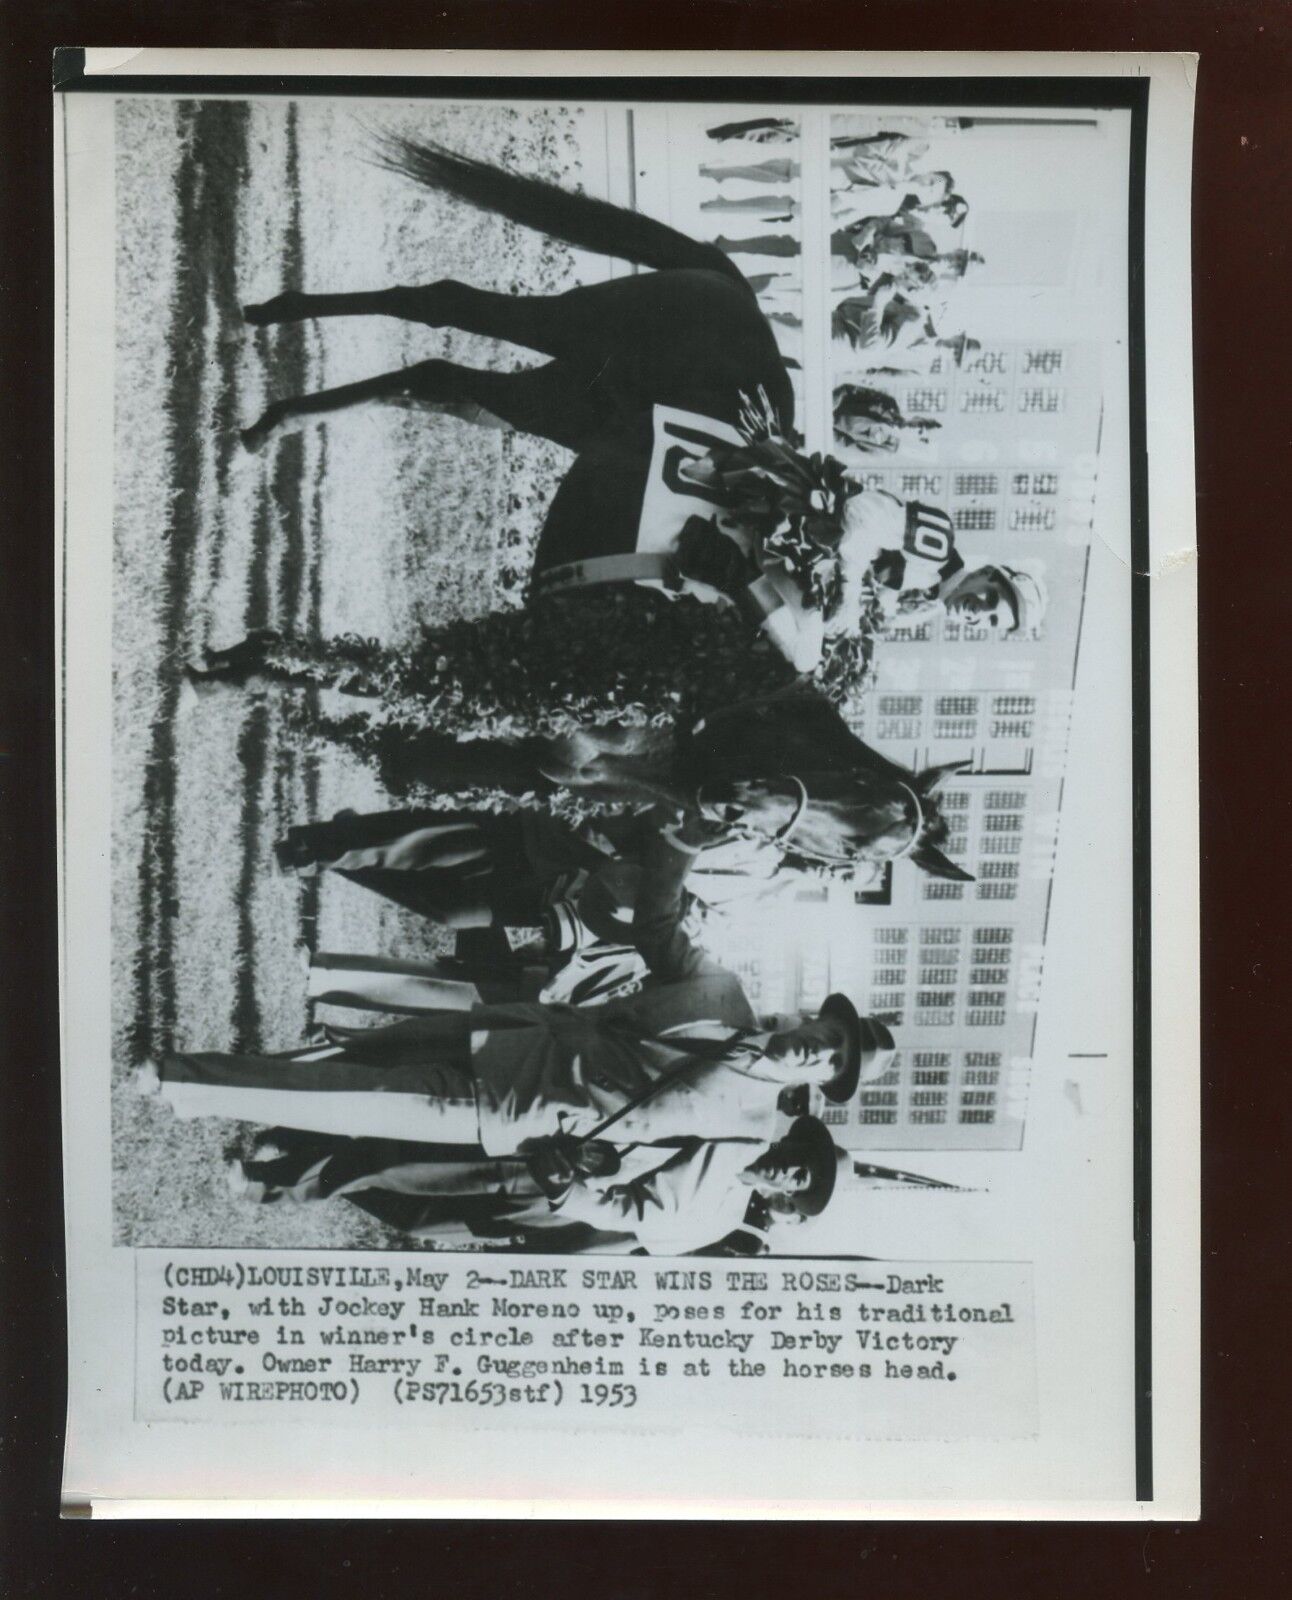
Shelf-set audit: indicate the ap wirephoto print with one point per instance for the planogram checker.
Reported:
(607, 787)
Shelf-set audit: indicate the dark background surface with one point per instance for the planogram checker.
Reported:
(1243, 430)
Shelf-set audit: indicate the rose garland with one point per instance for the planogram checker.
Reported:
(616, 654)
(623, 655)
(793, 504)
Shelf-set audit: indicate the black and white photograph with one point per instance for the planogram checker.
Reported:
(520, 730)
(620, 690)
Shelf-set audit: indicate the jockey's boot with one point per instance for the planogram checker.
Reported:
(274, 421)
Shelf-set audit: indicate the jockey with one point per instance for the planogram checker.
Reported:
(907, 552)
(903, 551)
(790, 542)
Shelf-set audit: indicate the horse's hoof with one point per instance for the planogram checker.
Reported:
(292, 857)
(204, 686)
(255, 438)
(201, 668)
(263, 312)
(202, 679)
(285, 307)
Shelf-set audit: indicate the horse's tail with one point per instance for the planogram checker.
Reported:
(577, 219)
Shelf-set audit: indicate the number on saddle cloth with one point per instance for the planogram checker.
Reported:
(670, 498)
(681, 438)
(928, 554)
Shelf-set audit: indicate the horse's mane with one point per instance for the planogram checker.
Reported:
(790, 730)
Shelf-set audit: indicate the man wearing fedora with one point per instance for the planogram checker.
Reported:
(667, 1199)
(686, 1057)
(701, 1193)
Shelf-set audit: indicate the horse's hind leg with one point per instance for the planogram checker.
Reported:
(268, 657)
(412, 760)
(294, 305)
(530, 320)
(552, 401)
(434, 385)
(285, 416)
(549, 401)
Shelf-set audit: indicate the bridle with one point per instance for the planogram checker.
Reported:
(919, 823)
(847, 860)
(800, 806)
(783, 833)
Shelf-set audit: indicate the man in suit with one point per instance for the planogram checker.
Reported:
(462, 869)
(684, 1057)
(667, 1199)
(699, 1194)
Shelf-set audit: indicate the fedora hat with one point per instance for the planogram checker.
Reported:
(810, 1140)
(868, 1048)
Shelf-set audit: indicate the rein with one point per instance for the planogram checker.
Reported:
(846, 860)
(919, 824)
(782, 834)
(786, 831)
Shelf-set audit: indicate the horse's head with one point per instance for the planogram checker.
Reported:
(852, 817)
(854, 805)
(925, 849)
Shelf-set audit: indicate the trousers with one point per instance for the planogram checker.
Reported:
(430, 1098)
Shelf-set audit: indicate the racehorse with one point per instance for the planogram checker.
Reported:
(648, 374)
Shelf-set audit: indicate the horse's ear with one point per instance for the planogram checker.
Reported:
(932, 778)
(931, 860)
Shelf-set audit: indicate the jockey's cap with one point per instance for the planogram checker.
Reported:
(1027, 593)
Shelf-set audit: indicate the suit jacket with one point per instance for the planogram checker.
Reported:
(690, 1200)
(546, 1069)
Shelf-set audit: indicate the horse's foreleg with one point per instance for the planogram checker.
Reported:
(285, 416)
(416, 760)
(412, 760)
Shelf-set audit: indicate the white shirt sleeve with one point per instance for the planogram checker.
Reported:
(874, 520)
(796, 629)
